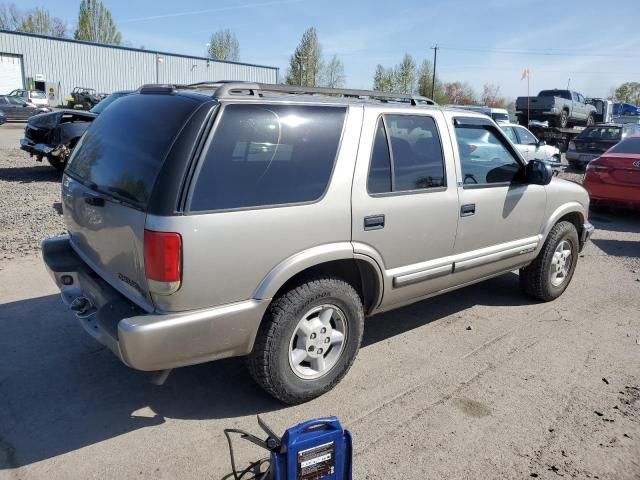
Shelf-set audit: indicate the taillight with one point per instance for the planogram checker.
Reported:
(572, 145)
(163, 261)
(29, 100)
(594, 166)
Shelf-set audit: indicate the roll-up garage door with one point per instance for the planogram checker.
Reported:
(10, 73)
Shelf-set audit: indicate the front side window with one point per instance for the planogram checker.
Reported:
(484, 156)
(407, 155)
(526, 137)
(268, 155)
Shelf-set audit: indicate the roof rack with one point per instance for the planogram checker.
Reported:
(229, 88)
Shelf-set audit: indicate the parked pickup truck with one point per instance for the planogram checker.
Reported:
(561, 108)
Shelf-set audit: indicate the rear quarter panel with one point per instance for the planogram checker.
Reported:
(226, 255)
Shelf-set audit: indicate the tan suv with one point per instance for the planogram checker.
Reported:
(267, 221)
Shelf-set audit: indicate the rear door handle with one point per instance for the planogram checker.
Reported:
(374, 222)
(468, 210)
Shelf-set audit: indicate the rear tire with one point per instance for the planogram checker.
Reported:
(563, 119)
(289, 358)
(549, 275)
(590, 121)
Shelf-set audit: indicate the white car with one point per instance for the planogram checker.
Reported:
(34, 97)
(529, 146)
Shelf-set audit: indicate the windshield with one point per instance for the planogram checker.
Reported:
(630, 145)
(106, 102)
(500, 117)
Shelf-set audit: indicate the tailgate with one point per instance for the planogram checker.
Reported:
(108, 184)
(109, 236)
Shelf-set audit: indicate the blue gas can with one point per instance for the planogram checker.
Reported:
(318, 449)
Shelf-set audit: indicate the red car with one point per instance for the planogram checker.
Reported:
(613, 179)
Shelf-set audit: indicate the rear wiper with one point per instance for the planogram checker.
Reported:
(123, 193)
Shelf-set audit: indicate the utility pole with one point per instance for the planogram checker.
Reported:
(433, 79)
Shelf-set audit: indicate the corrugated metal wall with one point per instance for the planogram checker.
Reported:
(71, 63)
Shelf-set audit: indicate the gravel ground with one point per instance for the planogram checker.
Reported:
(29, 197)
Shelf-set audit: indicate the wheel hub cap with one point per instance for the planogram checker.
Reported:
(561, 263)
(317, 341)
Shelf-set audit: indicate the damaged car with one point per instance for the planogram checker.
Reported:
(53, 135)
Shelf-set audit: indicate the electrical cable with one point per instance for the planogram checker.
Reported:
(253, 467)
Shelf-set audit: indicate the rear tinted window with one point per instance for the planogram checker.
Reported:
(555, 93)
(37, 94)
(600, 133)
(123, 150)
(268, 155)
(630, 145)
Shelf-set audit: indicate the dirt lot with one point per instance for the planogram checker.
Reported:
(531, 390)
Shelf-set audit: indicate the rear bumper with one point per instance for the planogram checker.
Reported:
(143, 340)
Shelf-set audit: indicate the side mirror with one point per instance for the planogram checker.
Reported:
(541, 143)
(538, 173)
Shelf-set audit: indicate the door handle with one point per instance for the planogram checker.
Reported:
(468, 210)
(374, 222)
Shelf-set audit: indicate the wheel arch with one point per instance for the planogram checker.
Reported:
(571, 212)
(339, 260)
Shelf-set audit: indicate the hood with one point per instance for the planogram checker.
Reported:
(51, 119)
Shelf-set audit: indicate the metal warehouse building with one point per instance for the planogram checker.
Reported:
(57, 65)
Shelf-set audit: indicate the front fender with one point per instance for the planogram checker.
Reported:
(558, 213)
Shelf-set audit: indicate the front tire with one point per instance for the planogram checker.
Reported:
(57, 163)
(549, 275)
(308, 340)
(563, 120)
(590, 121)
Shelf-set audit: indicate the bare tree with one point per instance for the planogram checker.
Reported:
(10, 17)
(223, 45)
(491, 96)
(334, 76)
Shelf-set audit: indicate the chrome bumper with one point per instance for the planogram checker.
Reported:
(149, 340)
(585, 235)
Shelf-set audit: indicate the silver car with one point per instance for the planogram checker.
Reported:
(268, 221)
(530, 147)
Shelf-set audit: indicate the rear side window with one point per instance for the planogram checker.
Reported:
(630, 145)
(407, 155)
(124, 148)
(268, 155)
(600, 133)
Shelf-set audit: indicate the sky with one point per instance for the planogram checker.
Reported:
(590, 45)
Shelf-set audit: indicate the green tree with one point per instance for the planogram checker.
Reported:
(383, 80)
(425, 83)
(223, 45)
(628, 92)
(95, 24)
(405, 75)
(334, 76)
(305, 65)
(39, 21)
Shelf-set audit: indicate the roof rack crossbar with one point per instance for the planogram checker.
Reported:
(226, 89)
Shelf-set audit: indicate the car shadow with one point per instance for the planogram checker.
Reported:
(36, 173)
(617, 220)
(618, 248)
(61, 391)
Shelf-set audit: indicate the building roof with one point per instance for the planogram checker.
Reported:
(132, 49)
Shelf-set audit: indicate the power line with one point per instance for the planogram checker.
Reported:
(549, 52)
